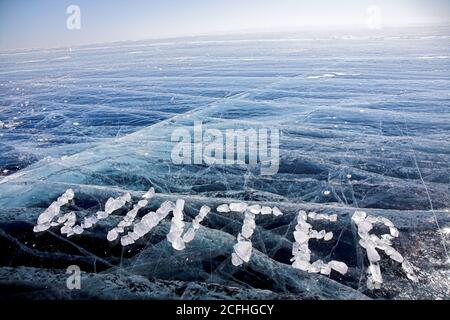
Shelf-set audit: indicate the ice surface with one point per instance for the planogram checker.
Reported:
(371, 136)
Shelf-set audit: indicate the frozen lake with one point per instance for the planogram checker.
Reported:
(364, 122)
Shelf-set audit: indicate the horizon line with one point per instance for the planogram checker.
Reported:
(222, 33)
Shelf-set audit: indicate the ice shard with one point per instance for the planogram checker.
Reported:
(45, 219)
(128, 219)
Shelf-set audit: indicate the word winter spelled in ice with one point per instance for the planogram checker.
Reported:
(242, 250)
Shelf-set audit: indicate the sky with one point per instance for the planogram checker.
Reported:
(43, 23)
